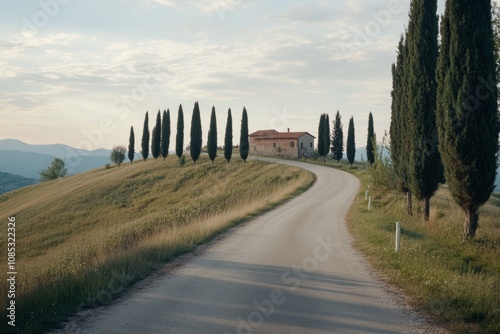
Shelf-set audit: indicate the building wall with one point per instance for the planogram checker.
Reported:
(275, 147)
(306, 145)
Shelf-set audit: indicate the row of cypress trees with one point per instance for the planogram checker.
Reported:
(160, 140)
(445, 122)
(337, 139)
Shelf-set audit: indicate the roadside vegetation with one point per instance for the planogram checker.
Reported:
(456, 284)
(83, 240)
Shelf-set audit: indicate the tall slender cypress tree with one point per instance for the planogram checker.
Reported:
(179, 139)
(370, 155)
(351, 144)
(212, 137)
(156, 141)
(467, 112)
(244, 144)
(165, 133)
(400, 142)
(425, 168)
(337, 138)
(145, 138)
(196, 135)
(154, 148)
(131, 145)
(228, 139)
(321, 135)
(326, 136)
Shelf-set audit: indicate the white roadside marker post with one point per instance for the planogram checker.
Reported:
(398, 237)
(369, 203)
(366, 195)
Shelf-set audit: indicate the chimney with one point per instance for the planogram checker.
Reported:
(288, 129)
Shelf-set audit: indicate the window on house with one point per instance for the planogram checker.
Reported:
(274, 144)
(301, 146)
(292, 144)
(311, 145)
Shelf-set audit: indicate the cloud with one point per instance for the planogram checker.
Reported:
(301, 54)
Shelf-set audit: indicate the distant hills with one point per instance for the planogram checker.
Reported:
(20, 163)
(28, 160)
(9, 182)
(54, 150)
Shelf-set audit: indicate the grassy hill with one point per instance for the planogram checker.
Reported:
(82, 240)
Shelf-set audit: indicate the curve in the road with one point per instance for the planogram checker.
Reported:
(292, 270)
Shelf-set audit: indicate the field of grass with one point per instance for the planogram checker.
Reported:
(82, 240)
(456, 284)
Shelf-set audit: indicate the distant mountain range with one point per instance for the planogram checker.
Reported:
(26, 160)
(54, 150)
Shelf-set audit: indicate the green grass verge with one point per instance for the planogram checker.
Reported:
(456, 284)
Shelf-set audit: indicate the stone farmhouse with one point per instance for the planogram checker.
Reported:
(285, 144)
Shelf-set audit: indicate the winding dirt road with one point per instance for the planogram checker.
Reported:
(292, 270)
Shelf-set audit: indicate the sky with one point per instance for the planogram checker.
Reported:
(81, 73)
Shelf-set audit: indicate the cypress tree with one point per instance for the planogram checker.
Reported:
(370, 155)
(244, 145)
(145, 138)
(131, 144)
(165, 134)
(179, 139)
(395, 130)
(212, 137)
(425, 169)
(156, 140)
(196, 135)
(326, 136)
(467, 112)
(321, 130)
(400, 143)
(337, 138)
(228, 139)
(351, 144)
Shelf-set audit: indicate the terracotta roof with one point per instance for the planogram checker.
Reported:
(263, 133)
(273, 134)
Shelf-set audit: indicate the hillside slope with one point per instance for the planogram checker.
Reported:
(82, 239)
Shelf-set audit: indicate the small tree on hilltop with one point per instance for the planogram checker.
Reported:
(165, 134)
(351, 144)
(56, 170)
(131, 144)
(244, 145)
(228, 140)
(118, 154)
(212, 137)
(337, 138)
